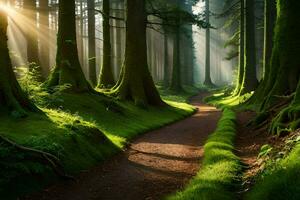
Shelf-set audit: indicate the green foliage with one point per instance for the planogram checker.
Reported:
(31, 84)
(280, 178)
(220, 171)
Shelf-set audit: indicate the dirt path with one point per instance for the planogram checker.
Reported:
(156, 164)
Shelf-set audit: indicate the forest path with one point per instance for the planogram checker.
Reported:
(154, 165)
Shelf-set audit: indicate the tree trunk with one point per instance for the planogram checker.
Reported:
(176, 71)
(68, 69)
(284, 73)
(270, 19)
(92, 42)
(135, 82)
(106, 75)
(45, 31)
(12, 98)
(166, 59)
(241, 66)
(250, 81)
(207, 81)
(31, 33)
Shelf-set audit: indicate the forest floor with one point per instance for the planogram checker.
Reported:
(153, 166)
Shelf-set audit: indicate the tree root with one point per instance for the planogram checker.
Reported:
(48, 158)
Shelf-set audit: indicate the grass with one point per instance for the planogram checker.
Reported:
(219, 175)
(280, 180)
(82, 130)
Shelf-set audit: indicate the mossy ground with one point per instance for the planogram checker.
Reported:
(280, 179)
(221, 168)
(69, 129)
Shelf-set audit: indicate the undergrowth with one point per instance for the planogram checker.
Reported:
(220, 171)
(279, 178)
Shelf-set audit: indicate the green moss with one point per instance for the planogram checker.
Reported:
(219, 174)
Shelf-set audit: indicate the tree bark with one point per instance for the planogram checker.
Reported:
(68, 69)
(207, 80)
(135, 82)
(44, 26)
(31, 33)
(241, 66)
(176, 84)
(12, 99)
(250, 81)
(284, 72)
(270, 19)
(106, 75)
(166, 59)
(92, 42)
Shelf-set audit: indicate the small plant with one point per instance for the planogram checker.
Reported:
(30, 80)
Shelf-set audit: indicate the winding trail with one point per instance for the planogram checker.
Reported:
(155, 165)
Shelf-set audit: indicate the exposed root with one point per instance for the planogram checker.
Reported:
(48, 158)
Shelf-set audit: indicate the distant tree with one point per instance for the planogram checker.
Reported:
(68, 69)
(45, 31)
(207, 80)
(92, 41)
(31, 33)
(106, 79)
(12, 99)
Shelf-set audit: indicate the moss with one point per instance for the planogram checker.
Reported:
(280, 180)
(220, 170)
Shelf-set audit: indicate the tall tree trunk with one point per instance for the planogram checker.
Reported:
(12, 98)
(68, 69)
(31, 33)
(284, 68)
(106, 75)
(250, 81)
(207, 80)
(166, 59)
(270, 19)
(45, 31)
(136, 82)
(241, 66)
(176, 71)
(92, 42)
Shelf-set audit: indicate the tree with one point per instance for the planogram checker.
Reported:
(284, 72)
(12, 98)
(250, 81)
(92, 41)
(207, 80)
(106, 75)
(44, 24)
(240, 75)
(176, 84)
(68, 69)
(31, 34)
(135, 82)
